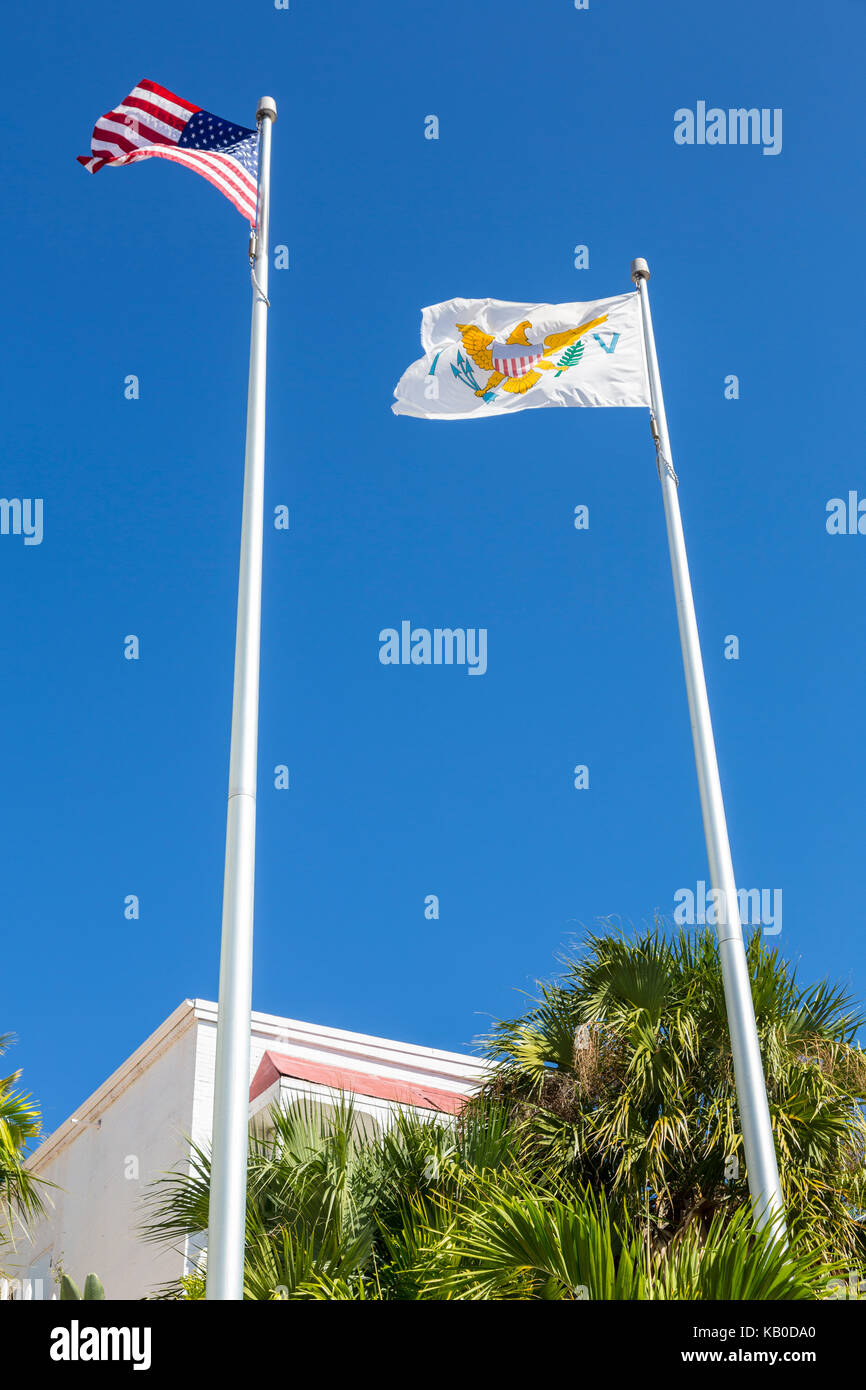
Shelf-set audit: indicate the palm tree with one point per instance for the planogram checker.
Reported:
(325, 1197)
(621, 1080)
(508, 1240)
(20, 1124)
(602, 1160)
(447, 1211)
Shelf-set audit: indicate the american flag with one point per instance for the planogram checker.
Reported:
(153, 121)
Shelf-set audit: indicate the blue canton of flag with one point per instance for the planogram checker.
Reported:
(204, 131)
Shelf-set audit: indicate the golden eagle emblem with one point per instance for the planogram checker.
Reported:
(517, 363)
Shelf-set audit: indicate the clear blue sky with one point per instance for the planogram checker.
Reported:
(556, 129)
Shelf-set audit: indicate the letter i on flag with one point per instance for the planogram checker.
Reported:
(153, 121)
(488, 357)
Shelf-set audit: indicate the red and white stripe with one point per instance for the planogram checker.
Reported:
(150, 121)
(516, 366)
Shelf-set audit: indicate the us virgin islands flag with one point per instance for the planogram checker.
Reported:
(489, 357)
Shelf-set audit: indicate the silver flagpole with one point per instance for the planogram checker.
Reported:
(760, 1152)
(228, 1179)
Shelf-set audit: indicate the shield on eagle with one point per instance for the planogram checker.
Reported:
(515, 359)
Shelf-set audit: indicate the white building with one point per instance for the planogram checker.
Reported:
(139, 1122)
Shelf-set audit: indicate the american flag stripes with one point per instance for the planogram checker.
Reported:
(153, 121)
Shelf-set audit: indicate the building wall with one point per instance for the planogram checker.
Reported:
(128, 1133)
(135, 1127)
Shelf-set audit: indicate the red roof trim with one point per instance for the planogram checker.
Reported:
(274, 1065)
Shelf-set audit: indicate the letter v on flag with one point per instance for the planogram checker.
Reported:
(489, 357)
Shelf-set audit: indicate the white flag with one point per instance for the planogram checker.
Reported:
(487, 357)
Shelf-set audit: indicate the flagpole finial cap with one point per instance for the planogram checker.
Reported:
(639, 269)
(266, 107)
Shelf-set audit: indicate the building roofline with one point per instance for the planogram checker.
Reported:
(365, 1044)
(283, 1030)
